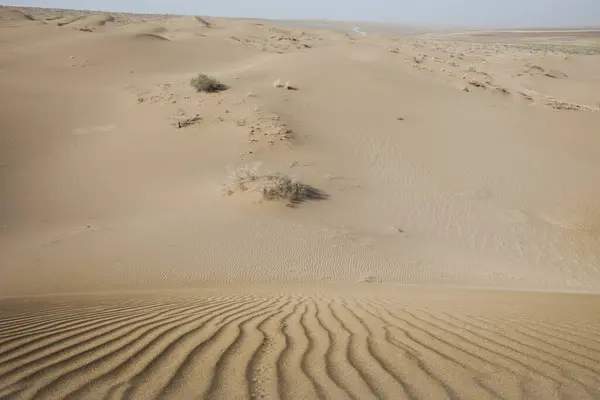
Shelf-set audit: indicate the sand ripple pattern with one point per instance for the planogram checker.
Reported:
(292, 346)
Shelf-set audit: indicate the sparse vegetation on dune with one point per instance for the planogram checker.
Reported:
(242, 175)
(279, 186)
(205, 83)
(272, 186)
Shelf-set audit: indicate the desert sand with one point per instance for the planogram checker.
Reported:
(448, 247)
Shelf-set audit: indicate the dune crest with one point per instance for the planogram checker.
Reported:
(86, 22)
(203, 22)
(189, 22)
(15, 18)
(14, 15)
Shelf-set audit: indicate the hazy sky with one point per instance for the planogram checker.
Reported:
(440, 12)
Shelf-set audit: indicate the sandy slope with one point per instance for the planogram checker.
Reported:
(445, 161)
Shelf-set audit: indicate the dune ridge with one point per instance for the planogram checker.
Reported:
(15, 15)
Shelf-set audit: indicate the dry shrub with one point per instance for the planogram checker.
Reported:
(272, 186)
(279, 186)
(204, 83)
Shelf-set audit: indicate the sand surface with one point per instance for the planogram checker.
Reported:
(132, 265)
(302, 344)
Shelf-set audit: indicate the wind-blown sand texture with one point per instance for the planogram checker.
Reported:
(412, 343)
(130, 268)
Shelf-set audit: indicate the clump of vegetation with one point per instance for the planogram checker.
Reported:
(238, 178)
(279, 186)
(272, 186)
(205, 83)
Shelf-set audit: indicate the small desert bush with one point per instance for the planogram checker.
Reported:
(204, 83)
(244, 175)
(279, 186)
(272, 186)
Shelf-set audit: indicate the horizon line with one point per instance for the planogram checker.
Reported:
(348, 21)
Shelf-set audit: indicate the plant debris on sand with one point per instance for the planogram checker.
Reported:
(183, 122)
(205, 83)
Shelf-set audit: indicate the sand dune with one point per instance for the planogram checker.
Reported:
(91, 21)
(17, 18)
(142, 28)
(149, 36)
(405, 165)
(201, 21)
(144, 31)
(411, 343)
(15, 15)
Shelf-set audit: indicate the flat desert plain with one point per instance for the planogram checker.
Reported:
(346, 215)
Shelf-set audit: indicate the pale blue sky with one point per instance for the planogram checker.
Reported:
(500, 13)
